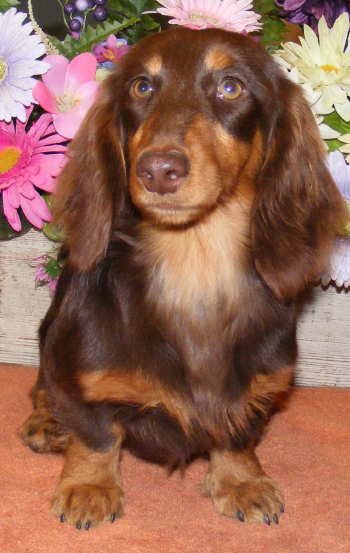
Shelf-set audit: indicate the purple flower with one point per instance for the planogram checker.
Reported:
(111, 50)
(310, 11)
(339, 265)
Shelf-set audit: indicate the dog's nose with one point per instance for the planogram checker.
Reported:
(162, 173)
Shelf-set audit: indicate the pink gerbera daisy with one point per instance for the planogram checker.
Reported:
(232, 15)
(29, 159)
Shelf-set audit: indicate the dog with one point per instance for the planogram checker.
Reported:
(198, 208)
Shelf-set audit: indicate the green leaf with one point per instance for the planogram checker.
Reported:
(71, 47)
(146, 23)
(145, 5)
(125, 7)
(333, 144)
(265, 7)
(334, 121)
(146, 26)
(273, 30)
(53, 232)
(135, 7)
(7, 232)
(53, 267)
(7, 4)
(149, 24)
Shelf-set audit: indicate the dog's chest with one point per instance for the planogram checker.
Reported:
(196, 286)
(194, 272)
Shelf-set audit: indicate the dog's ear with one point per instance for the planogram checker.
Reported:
(91, 189)
(298, 208)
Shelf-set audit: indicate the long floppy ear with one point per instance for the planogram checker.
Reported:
(298, 208)
(92, 186)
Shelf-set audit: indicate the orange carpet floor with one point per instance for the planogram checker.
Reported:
(307, 450)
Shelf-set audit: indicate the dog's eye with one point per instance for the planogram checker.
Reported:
(229, 89)
(141, 88)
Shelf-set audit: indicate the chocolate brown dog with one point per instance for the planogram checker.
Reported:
(198, 208)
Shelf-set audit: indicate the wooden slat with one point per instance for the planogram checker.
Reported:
(324, 340)
(323, 333)
(22, 306)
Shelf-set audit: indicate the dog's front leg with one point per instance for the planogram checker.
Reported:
(90, 488)
(240, 488)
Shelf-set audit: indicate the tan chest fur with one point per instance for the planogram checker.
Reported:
(193, 269)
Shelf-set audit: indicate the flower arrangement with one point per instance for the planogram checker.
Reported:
(47, 85)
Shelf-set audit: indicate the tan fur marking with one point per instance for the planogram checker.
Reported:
(230, 170)
(132, 387)
(217, 59)
(267, 385)
(41, 432)
(154, 64)
(235, 480)
(237, 484)
(264, 391)
(90, 488)
(135, 140)
(182, 273)
(140, 139)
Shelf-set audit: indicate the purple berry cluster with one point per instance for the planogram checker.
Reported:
(76, 11)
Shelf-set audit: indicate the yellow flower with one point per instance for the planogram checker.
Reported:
(323, 62)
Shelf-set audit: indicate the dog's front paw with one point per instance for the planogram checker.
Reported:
(43, 434)
(255, 500)
(87, 505)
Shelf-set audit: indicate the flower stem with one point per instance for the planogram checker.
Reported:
(63, 14)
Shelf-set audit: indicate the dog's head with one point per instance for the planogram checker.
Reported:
(188, 121)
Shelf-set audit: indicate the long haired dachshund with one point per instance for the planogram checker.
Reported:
(197, 207)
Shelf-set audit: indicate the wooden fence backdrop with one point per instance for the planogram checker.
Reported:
(323, 333)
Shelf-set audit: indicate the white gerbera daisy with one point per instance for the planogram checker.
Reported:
(19, 50)
(324, 63)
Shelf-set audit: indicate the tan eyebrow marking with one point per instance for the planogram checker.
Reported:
(154, 64)
(217, 59)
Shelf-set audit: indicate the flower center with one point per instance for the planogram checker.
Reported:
(3, 69)
(345, 231)
(329, 68)
(195, 16)
(8, 158)
(66, 102)
(109, 55)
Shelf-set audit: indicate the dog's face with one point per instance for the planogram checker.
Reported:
(194, 106)
(190, 121)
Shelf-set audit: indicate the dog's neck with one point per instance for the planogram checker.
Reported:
(199, 268)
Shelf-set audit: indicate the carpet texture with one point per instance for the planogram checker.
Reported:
(306, 450)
